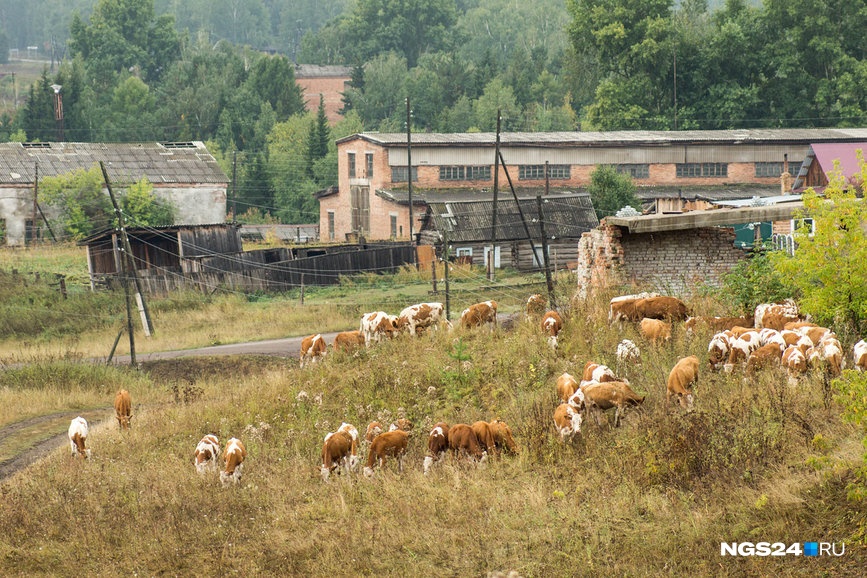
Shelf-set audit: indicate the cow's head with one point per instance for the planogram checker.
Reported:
(125, 421)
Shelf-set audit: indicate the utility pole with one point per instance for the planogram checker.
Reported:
(409, 164)
(35, 203)
(548, 279)
(520, 210)
(446, 265)
(234, 185)
(492, 255)
(142, 306)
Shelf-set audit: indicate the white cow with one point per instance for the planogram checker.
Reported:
(78, 436)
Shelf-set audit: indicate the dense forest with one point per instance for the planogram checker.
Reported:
(222, 71)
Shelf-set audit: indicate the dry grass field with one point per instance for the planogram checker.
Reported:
(757, 460)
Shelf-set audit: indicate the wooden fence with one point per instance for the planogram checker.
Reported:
(264, 271)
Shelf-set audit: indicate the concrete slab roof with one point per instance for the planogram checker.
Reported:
(706, 218)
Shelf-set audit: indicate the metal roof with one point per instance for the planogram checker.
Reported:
(322, 71)
(711, 193)
(126, 163)
(565, 215)
(706, 218)
(619, 138)
(825, 154)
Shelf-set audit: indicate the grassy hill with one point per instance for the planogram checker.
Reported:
(757, 460)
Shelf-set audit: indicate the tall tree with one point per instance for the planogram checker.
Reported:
(317, 138)
(272, 78)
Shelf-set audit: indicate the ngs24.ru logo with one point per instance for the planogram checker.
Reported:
(781, 549)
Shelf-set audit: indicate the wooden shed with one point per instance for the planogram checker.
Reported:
(468, 223)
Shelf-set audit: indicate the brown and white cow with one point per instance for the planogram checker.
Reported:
(402, 424)
(78, 437)
(374, 428)
(567, 420)
(313, 348)
(740, 349)
(681, 378)
(536, 305)
(207, 454)
(600, 397)
(123, 408)
(776, 315)
(480, 314)
(552, 323)
(348, 341)
(391, 443)
(377, 325)
(655, 330)
(794, 360)
(463, 441)
(437, 445)
(339, 449)
(827, 355)
(420, 316)
(859, 355)
(596, 372)
(660, 307)
(566, 386)
(623, 307)
(233, 457)
(503, 439)
(718, 349)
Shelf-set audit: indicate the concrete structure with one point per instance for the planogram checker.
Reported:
(183, 174)
(673, 170)
(329, 81)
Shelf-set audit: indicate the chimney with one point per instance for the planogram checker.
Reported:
(786, 179)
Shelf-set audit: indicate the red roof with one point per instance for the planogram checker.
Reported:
(827, 153)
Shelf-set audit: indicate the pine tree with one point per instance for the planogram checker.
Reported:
(318, 138)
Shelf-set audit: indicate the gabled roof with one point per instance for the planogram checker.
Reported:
(565, 215)
(126, 163)
(825, 154)
(619, 138)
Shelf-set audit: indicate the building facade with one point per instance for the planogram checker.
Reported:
(673, 171)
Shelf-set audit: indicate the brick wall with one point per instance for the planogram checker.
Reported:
(672, 262)
(331, 89)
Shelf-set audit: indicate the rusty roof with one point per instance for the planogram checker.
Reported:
(619, 138)
(187, 163)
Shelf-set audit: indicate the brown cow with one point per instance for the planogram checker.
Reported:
(485, 434)
(376, 326)
(348, 341)
(567, 420)
(123, 409)
(623, 307)
(552, 323)
(566, 386)
(660, 307)
(595, 372)
(794, 360)
(603, 396)
(207, 453)
(655, 330)
(234, 457)
(313, 348)
(681, 378)
(776, 315)
(480, 314)
(391, 443)
(339, 448)
(536, 305)
(716, 324)
(437, 444)
(765, 356)
(718, 349)
(463, 440)
(503, 439)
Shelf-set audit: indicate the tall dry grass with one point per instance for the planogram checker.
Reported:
(757, 460)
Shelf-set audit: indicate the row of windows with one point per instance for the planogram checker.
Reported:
(563, 172)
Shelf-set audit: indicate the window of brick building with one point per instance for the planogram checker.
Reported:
(398, 174)
(775, 169)
(351, 157)
(636, 171)
(369, 157)
(692, 170)
(330, 225)
(537, 172)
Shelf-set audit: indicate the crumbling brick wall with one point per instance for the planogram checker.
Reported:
(673, 262)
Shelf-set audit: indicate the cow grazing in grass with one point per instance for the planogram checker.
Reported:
(233, 457)
(391, 443)
(567, 421)
(207, 454)
(596, 372)
(776, 315)
(794, 360)
(503, 439)
(313, 348)
(78, 437)
(859, 355)
(485, 434)
(420, 316)
(741, 347)
(402, 424)
(480, 314)
(566, 386)
(437, 445)
(718, 349)
(827, 355)
(463, 441)
(623, 307)
(661, 307)
(600, 397)
(123, 408)
(655, 330)
(374, 428)
(377, 326)
(552, 323)
(768, 355)
(536, 306)
(339, 449)
(681, 378)
(348, 341)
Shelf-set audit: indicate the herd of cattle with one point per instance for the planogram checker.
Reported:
(776, 335)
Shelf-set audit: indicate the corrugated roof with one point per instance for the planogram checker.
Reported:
(707, 192)
(126, 163)
(322, 71)
(565, 216)
(145, 231)
(620, 138)
(826, 153)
